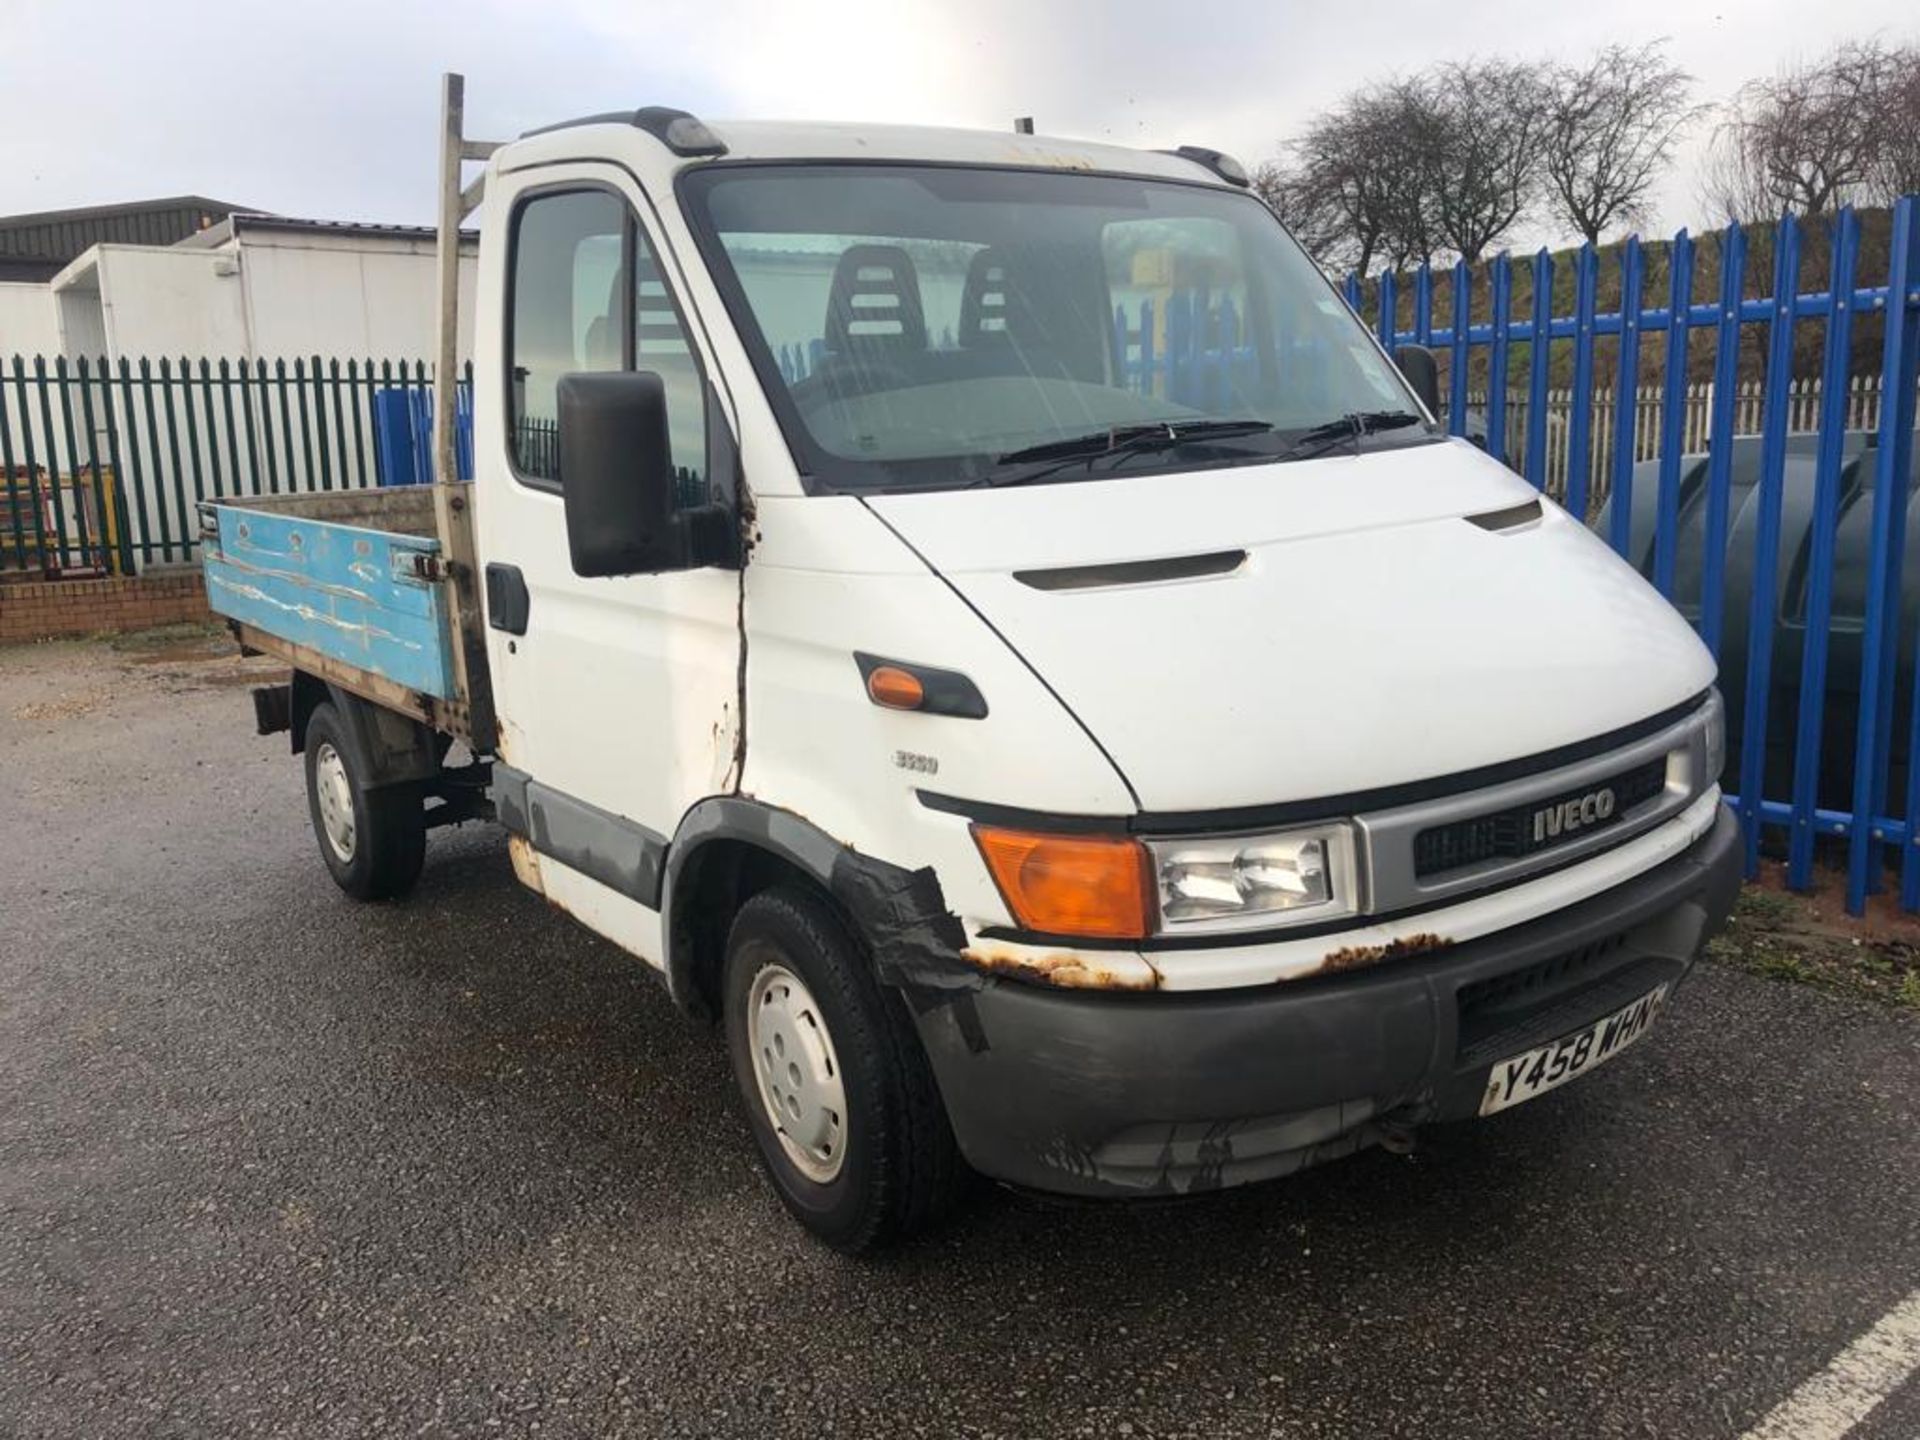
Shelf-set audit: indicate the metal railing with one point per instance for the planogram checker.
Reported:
(101, 465)
(1822, 586)
(1804, 408)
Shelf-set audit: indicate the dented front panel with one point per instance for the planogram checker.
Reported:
(826, 579)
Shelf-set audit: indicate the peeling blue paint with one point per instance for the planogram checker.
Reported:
(345, 591)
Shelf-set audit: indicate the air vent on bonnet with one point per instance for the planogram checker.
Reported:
(1133, 572)
(1511, 518)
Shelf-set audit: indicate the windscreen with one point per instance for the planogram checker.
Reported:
(925, 326)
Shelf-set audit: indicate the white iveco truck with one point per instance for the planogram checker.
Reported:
(983, 619)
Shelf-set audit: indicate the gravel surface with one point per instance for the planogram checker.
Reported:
(275, 1163)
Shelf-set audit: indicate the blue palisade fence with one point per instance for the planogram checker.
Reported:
(1774, 512)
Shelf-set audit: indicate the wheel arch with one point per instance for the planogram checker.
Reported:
(397, 748)
(728, 848)
(308, 693)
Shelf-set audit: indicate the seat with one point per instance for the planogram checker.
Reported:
(873, 306)
(601, 346)
(1000, 332)
(656, 326)
(984, 300)
(876, 325)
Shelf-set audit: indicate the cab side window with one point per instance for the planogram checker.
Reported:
(587, 296)
(660, 345)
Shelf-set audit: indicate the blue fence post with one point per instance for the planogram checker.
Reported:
(420, 433)
(1462, 338)
(1180, 346)
(1726, 394)
(1206, 325)
(1389, 311)
(1226, 346)
(1826, 518)
(1140, 365)
(1352, 291)
(1586, 285)
(1146, 347)
(1423, 305)
(1626, 397)
(1539, 353)
(1673, 413)
(1899, 374)
(1766, 558)
(463, 423)
(1497, 359)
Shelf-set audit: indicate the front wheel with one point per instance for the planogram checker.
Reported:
(842, 1104)
(374, 840)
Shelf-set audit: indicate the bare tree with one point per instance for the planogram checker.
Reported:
(1354, 174)
(1399, 173)
(1490, 117)
(1896, 170)
(1815, 136)
(1611, 128)
(1304, 210)
(1729, 188)
(1414, 125)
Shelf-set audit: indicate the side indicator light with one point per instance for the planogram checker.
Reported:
(895, 688)
(903, 685)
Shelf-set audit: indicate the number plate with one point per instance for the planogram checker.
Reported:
(1538, 1071)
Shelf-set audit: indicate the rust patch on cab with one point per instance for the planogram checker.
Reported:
(1061, 970)
(526, 864)
(1352, 957)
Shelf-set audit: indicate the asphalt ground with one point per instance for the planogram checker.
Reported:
(274, 1163)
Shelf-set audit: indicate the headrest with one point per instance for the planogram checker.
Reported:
(984, 301)
(875, 301)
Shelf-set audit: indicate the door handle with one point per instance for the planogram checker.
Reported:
(506, 599)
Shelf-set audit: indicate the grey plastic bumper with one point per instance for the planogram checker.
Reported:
(1108, 1095)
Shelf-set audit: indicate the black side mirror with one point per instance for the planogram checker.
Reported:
(1416, 362)
(617, 480)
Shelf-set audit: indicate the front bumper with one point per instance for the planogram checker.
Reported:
(1108, 1095)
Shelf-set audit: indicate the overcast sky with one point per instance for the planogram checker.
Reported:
(326, 108)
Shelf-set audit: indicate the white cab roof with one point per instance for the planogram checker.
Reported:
(823, 140)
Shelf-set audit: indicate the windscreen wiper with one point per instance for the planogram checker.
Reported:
(1117, 441)
(1348, 428)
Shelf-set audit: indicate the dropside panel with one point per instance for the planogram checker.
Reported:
(358, 596)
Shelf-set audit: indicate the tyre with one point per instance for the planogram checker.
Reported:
(842, 1104)
(374, 840)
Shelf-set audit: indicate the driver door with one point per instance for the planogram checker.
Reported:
(618, 698)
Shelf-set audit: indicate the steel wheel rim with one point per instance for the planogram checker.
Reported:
(797, 1072)
(335, 795)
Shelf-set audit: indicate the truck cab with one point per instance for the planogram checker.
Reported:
(981, 616)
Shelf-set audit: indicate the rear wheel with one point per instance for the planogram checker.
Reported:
(374, 839)
(843, 1107)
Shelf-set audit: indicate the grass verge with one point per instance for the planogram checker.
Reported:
(1811, 940)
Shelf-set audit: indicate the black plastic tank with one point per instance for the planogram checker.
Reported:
(1852, 541)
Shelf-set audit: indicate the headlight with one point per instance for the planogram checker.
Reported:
(1251, 881)
(1716, 740)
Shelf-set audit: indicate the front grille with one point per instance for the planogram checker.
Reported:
(1513, 1013)
(1521, 987)
(1530, 828)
